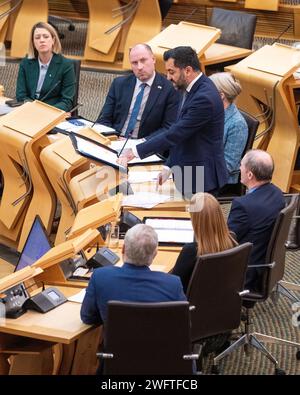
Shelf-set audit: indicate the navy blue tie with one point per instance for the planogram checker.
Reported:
(135, 110)
(183, 99)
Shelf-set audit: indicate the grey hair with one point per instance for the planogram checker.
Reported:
(226, 83)
(140, 245)
(260, 163)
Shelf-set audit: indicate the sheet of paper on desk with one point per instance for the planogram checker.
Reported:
(118, 144)
(103, 128)
(5, 109)
(149, 159)
(78, 298)
(144, 199)
(72, 127)
(137, 177)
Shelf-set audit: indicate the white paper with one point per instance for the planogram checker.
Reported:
(78, 298)
(102, 128)
(97, 151)
(149, 159)
(118, 144)
(5, 109)
(144, 199)
(136, 177)
(70, 127)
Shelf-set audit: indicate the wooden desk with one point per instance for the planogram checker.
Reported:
(77, 342)
(219, 53)
(216, 53)
(5, 268)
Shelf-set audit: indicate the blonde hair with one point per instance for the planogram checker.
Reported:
(226, 83)
(211, 231)
(32, 52)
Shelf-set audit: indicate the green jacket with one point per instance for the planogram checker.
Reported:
(60, 78)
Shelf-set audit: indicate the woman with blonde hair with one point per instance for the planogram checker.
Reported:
(45, 74)
(235, 126)
(211, 235)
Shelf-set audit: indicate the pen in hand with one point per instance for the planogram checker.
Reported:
(128, 137)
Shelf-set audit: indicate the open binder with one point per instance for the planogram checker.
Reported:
(96, 151)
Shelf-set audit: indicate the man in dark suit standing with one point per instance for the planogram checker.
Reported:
(252, 216)
(143, 102)
(195, 140)
(134, 281)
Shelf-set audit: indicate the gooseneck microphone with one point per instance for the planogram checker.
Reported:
(281, 34)
(49, 91)
(128, 137)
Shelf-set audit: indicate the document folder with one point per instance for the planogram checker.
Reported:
(96, 151)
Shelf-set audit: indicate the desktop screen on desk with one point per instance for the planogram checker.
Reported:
(37, 244)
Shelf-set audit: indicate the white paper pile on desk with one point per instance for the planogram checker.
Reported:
(5, 109)
(144, 199)
(138, 177)
(77, 124)
(77, 298)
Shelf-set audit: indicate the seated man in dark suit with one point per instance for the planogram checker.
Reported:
(140, 103)
(134, 281)
(252, 216)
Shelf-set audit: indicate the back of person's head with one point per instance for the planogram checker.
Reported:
(140, 245)
(260, 163)
(211, 231)
(183, 57)
(226, 83)
(32, 52)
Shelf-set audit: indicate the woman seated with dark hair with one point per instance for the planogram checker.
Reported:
(211, 235)
(45, 74)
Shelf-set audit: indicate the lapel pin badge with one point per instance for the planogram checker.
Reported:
(159, 86)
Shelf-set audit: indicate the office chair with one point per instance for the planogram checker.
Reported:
(271, 273)
(239, 189)
(216, 289)
(293, 243)
(164, 6)
(148, 338)
(237, 27)
(52, 19)
(77, 64)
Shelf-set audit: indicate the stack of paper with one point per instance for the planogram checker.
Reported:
(144, 199)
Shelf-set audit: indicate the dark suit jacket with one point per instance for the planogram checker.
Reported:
(127, 283)
(195, 139)
(160, 110)
(252, 218)
(60, 72)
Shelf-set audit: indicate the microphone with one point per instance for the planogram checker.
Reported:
(49, 91)
(188, 17)
(281, 34)
(128, 137)
(75, 108)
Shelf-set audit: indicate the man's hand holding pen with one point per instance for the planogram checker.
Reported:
(126, 156)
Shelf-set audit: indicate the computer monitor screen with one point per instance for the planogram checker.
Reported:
(37, 244)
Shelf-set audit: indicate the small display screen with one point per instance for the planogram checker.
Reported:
(108, 254)
(53, 295)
